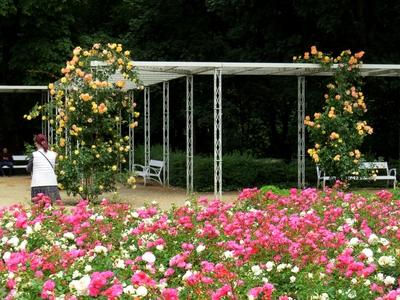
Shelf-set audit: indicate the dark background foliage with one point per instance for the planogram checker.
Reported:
(37, 37)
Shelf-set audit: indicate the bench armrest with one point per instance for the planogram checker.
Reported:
(393, 171)
(143, 168)
(155, 171)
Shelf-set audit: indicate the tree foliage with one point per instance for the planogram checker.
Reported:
(37, 37)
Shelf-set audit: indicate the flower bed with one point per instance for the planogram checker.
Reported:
(308, 245)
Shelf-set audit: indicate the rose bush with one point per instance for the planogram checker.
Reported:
(89, 111)
(305, 245)
(339, 130)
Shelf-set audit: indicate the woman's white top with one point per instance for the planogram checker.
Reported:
(43, 173)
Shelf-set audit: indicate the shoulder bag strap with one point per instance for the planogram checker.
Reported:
(47, 160)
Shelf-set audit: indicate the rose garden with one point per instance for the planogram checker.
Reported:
(270, 243)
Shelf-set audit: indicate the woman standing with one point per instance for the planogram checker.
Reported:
(42, 165)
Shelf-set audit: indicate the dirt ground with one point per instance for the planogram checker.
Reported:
(16, 189)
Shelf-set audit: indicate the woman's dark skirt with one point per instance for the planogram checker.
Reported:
(50, 191)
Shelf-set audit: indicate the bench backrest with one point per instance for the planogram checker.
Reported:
(156, 164)
(20, 158)
(378, 165)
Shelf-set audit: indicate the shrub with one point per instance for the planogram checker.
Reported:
(338, 131)
(88, 110)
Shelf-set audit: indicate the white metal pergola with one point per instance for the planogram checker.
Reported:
(154, 72)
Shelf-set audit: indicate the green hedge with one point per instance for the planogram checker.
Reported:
(238, 170)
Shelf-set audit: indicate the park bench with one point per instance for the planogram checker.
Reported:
(20, 162)
(382, 169)
(151, 172)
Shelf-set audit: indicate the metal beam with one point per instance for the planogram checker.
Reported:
(131, 132)
(146, 126)
(218, 133)
(166, 132)
(301, 145)
(189, 134)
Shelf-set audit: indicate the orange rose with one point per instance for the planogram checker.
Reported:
(102, 108)
(314, 50)
(359, 54)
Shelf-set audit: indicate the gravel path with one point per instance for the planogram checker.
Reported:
(16, 189)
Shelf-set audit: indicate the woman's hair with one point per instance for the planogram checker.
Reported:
(41, 140)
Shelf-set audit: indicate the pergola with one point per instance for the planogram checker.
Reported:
(153, 72)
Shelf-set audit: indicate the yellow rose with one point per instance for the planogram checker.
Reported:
(29, 117)
(97, 155)
(80, 189)
(114, 168)
(62, 142)
(337, 157)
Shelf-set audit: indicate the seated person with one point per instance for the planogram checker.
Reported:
(6, 160)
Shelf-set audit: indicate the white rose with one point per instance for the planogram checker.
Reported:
(14, 241)
(119, 264)
(295, 269)
(88, 268)
(367, 252)
(149, 257)
(200, 248)
(100, 249)
(160, 247)
(389, 280)
(373, 239)
(69, 235)
(29, 230)
(187, 275)
(354, 241)
(228, 254)
(141, 291)
(256, 270)
(292, 279)
(269, 265)
(37, 226)
(130, 290)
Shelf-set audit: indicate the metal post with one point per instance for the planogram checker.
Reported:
(44, 123)
(166, 133)
(146, 126)
(218, 133)
(189, 134)
(301, 146)
(131, 132)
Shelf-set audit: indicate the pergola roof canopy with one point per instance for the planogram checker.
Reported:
(22, 88)
(153, 72)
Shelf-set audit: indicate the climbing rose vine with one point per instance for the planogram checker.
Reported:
(91, 111)
(339, 130)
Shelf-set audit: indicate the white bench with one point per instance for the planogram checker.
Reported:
(387, 174)
(20, 162)
(151, 172)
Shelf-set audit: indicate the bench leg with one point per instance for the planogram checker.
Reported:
(323, 184)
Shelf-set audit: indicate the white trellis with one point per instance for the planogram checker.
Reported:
(166, 133)
(189, 134)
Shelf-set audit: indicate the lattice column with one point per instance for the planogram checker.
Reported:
(146, 125)
(131, 132)
(189, 134)
(166, 132)
(218, 132)
(44, 123)
(301, 145)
